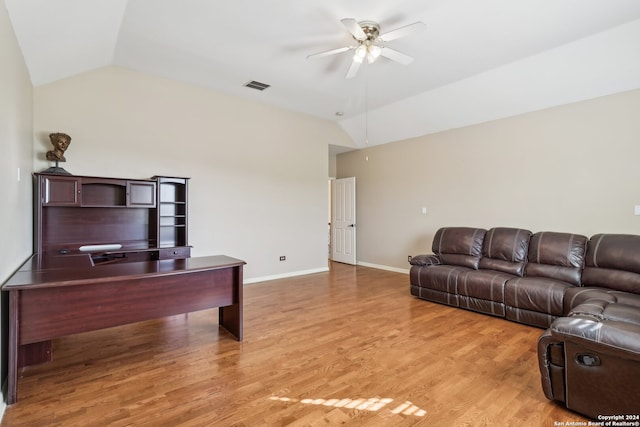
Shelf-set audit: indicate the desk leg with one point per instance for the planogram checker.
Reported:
(230, 317)
(12, 379)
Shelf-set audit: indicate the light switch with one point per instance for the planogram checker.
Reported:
(424, 210)
(636, 210)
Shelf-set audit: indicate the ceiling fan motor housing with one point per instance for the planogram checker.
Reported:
(371, 30)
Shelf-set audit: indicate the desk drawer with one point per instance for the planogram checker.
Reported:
(177, 252)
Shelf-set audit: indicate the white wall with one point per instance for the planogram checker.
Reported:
(16, 108)
(258, 185)
(571, 168)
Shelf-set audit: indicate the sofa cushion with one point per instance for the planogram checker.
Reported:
(603, 310)
(483, 284)
(577, 296)
(538, 294)
(558, 256)
(459, 245)
(613, 261)
(442, 278)
(505, 249)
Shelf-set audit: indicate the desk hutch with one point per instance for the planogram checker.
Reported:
(111, 218)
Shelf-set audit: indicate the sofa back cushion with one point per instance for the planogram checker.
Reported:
(505, 249)
(459, 245)
(558, 256)
(613, 261)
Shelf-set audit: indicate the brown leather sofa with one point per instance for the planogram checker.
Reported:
(505, 272)
(585, 291)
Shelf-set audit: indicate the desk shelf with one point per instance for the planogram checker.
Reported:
(74, 211)
(172, 221)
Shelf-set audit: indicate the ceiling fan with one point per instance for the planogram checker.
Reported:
(371, 44)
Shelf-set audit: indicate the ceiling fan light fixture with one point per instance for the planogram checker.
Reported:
(373, 52)
(361, 53)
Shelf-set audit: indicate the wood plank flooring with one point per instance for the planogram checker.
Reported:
(346, 347)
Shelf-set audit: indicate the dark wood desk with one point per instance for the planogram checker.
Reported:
(57, 296)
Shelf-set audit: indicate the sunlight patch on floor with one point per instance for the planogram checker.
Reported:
(372, 404)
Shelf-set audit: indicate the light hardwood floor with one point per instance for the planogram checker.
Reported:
(347, 347)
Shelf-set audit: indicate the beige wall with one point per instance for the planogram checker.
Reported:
(16, 108)
(333, 165)
(571, 168)
(258, 185)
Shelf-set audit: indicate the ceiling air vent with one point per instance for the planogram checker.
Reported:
(257, 85)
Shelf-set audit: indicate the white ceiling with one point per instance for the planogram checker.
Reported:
(476, 60)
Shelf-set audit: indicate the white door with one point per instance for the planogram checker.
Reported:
(343, 220)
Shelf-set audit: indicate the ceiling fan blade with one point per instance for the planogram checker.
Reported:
(402, 31)
(396, 56)
(354, 28)
(353, 69)
(330, 52)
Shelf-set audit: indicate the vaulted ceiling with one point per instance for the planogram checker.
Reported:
(476, 60)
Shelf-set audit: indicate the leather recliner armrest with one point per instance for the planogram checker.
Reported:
(423, 260)
(545, 364)
(616, 338)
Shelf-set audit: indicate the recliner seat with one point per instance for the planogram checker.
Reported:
(456, 250)
(504, 253)
(555, 263)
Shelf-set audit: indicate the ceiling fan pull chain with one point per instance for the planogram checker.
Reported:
(366, 105)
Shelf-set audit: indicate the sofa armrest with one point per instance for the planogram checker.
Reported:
(615, 338)
(545, 345)
(423, 260)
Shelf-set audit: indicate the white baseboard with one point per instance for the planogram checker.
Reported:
(321, 270)
(285, 275)
(384, 267)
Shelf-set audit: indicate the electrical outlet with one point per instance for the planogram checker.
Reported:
(409, 258)
(283, 258)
